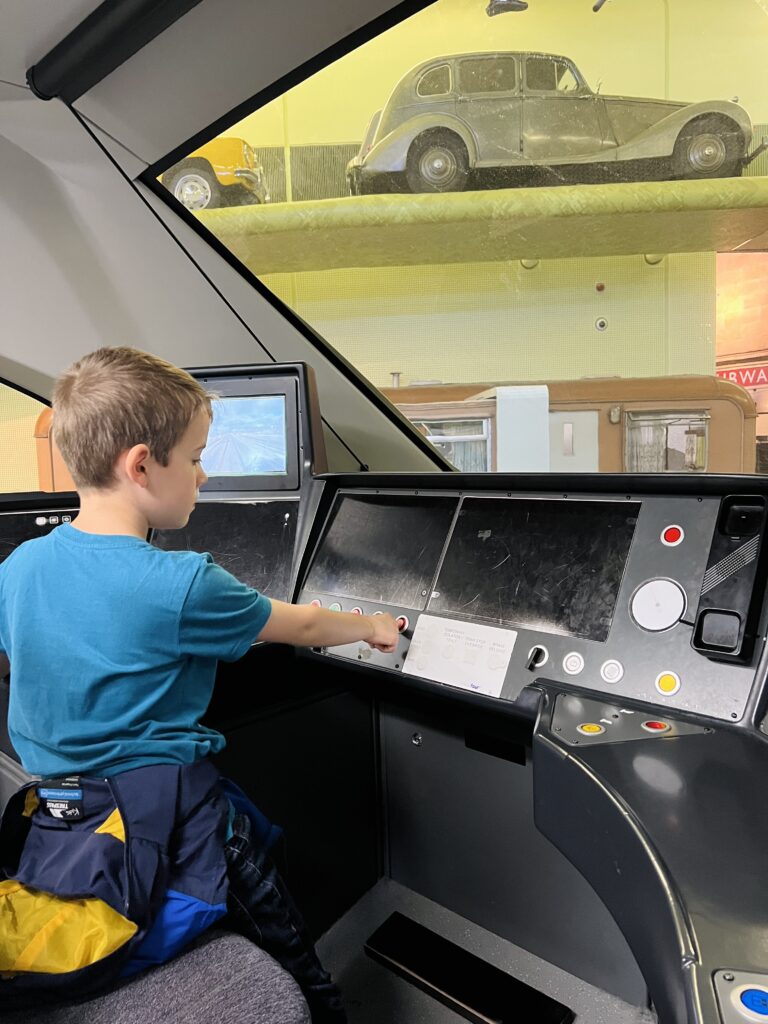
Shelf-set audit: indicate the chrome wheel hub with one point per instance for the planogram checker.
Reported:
(706, 152)
(438, 166)
(193, 191)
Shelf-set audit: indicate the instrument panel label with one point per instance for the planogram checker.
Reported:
(464, 654)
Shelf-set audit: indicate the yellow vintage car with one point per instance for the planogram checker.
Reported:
(224, 172)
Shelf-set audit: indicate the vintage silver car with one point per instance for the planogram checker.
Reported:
(452, 117)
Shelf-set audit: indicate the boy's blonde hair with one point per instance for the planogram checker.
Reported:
(115, 398)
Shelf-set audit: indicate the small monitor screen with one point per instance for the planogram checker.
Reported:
(554, 566)
(16, 527)
(382, 548)
(252, 540)
(247, 437)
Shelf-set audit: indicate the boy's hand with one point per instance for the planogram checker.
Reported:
(385, 633)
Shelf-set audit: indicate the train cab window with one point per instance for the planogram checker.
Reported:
(421, 231)
(19, 466)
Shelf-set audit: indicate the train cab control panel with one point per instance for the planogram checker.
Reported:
(641, 597)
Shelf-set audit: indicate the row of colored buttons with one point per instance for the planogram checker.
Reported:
(651, 725)
(401, 621)
(612, 671)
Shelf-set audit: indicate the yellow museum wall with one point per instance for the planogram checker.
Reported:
(528, 324)
(680, 49)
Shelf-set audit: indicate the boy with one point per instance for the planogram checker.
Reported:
(113, 646)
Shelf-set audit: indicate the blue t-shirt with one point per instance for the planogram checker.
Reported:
(113, 647)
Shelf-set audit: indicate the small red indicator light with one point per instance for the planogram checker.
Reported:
(672, 535)
(658, 726)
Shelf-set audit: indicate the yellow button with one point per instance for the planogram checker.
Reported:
(591, 728)
(668, 683)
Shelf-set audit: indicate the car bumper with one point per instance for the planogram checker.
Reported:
(255, 182)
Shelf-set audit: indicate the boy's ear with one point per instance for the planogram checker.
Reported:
(135, 464)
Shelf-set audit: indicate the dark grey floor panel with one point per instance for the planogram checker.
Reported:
(374, 995)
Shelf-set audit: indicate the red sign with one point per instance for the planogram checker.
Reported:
(747, 376)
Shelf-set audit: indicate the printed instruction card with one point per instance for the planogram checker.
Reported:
(459, 653)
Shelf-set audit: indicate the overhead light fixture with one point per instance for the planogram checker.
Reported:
(505, 6)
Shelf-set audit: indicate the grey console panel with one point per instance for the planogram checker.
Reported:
(641, 561)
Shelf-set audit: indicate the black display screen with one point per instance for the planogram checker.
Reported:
(252, 540)
(16, 527)
(554, 566)
(382, 548)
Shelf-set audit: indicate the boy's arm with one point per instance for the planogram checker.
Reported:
(5, 665)
(306, 625)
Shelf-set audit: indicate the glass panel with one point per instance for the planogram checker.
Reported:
(488, 75)
(468, 456)
(550, 565)
(435, 82)
(666, 444)
(382, 548)
(541, 75)
(450, 258)
(566, 80)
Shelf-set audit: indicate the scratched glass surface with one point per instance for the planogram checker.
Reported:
(253, 541)
(17, 527)
(382, 548)
(554, 566)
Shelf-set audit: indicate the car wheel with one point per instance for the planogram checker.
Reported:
(709, 148)
(196, 188)
(437, 162)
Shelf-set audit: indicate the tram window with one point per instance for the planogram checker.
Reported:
(666, 443)
(19, 470)
(410, 280)
(466, 443)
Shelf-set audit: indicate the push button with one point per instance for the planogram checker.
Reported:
(590, 729)
(334, 607)
(671, 536)
(317, 603)
(755, 1000)
(668, 683)
(573, 663)
(357, 610)
(653, 726)
(612, 671)
(402, 623)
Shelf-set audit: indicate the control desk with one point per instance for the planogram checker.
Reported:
(640, 597)
(624, 618)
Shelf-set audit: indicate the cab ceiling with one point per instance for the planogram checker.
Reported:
(215, 57)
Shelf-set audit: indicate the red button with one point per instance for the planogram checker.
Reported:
(657, 726)
(401, 622)
(316, 603)
(672, 535)
(357, 610)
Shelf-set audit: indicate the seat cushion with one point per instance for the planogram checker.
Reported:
(223, 977)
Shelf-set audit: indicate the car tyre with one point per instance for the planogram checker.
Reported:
(197, 188)
(709, 148)
(437, 162)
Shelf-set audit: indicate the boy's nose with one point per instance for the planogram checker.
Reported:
(202, 476)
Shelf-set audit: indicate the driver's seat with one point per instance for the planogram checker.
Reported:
(222, 977)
